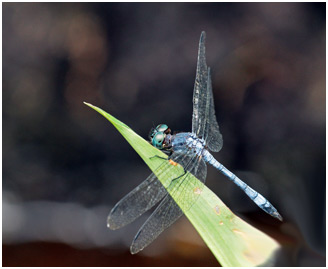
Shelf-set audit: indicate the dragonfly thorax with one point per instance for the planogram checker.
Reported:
(188, 142)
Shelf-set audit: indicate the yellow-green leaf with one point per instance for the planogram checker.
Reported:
(232, 241)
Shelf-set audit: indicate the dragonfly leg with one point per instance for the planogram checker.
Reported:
(167, 152)
(174, 179)
(156, 156)
(172, 163)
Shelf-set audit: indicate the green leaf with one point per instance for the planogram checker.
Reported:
(232, 241)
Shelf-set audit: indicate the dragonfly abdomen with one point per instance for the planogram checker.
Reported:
(258, 199)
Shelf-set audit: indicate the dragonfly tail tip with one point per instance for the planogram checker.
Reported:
(278, 216)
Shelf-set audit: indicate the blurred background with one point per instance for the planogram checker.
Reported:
(65, 166)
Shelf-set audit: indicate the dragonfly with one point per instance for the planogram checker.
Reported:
(191, 150)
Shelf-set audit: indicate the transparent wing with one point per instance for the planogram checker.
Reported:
(141, 198)
(135, 203)
(204, 122)
(168, 211)
(196, 166)
(200, 88)
(213, 137)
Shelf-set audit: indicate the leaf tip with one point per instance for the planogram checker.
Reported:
(87, 104)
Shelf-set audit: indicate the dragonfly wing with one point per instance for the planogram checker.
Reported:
(165, 214)
(141, 198)
(168, 211)
(135, 203)
(180, 187)
(200, 87)
(213, 137)
(204, 123)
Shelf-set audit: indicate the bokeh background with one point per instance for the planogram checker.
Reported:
(65, 166)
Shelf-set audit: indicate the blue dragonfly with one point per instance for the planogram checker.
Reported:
(190, 150)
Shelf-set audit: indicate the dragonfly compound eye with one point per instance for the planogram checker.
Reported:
(162, 128)
(158, 140)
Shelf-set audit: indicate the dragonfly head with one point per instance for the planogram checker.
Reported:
(160, 136)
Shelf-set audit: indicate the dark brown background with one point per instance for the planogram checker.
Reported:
(64, 166)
